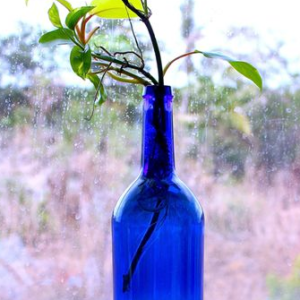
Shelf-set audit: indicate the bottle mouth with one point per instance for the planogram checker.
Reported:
(156, 90)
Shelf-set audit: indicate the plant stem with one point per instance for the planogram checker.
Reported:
(91, 34)
(154, 220)
(132, 75)
(126, 80)
(127, 277)
(146, 8)
(128, 65)
(176, 58)
(158, 116)
(145, 20)
(156, 51)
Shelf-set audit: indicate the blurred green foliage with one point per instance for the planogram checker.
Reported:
(276, 128)
(285, 288)
(230, 122)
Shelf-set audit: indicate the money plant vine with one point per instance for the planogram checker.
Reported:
(94, 63)
(129, 66)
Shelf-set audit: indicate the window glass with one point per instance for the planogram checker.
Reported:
(64, 165)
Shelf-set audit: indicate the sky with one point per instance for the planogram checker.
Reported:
(273, 21)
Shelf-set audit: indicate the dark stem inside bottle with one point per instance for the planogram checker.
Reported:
(158, 145)
(157, 156)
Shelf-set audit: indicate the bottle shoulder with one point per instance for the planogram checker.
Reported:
(146, 195)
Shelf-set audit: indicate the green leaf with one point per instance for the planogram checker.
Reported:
(75, 15)
(66, 4)
(94, 79)
(248, 71)
(60, 36)
(101, 95)
(26, 2)
(115, 9)
(54, 16)
(80, 60)
(242, 67)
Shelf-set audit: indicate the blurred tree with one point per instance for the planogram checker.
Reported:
(22, 59)
(222, 124)
(231, 126)
(276, 128)
(22, 64)
(190, 36)
(188, 32)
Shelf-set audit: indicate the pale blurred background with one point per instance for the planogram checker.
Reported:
(236, 148)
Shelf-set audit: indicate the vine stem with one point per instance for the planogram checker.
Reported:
(121, 71)
(154, 221)
(177, 58)
(145, 20)
(122, 63)
(155, 217)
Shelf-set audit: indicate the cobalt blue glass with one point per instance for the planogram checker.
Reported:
(158, 225)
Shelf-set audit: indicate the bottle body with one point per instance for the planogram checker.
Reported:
(171, 266)
(158, 225)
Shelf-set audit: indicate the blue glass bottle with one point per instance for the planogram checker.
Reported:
(158, 225)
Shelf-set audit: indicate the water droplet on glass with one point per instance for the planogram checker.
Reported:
(288, 110)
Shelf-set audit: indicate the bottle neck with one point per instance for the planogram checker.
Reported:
(158, 144)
